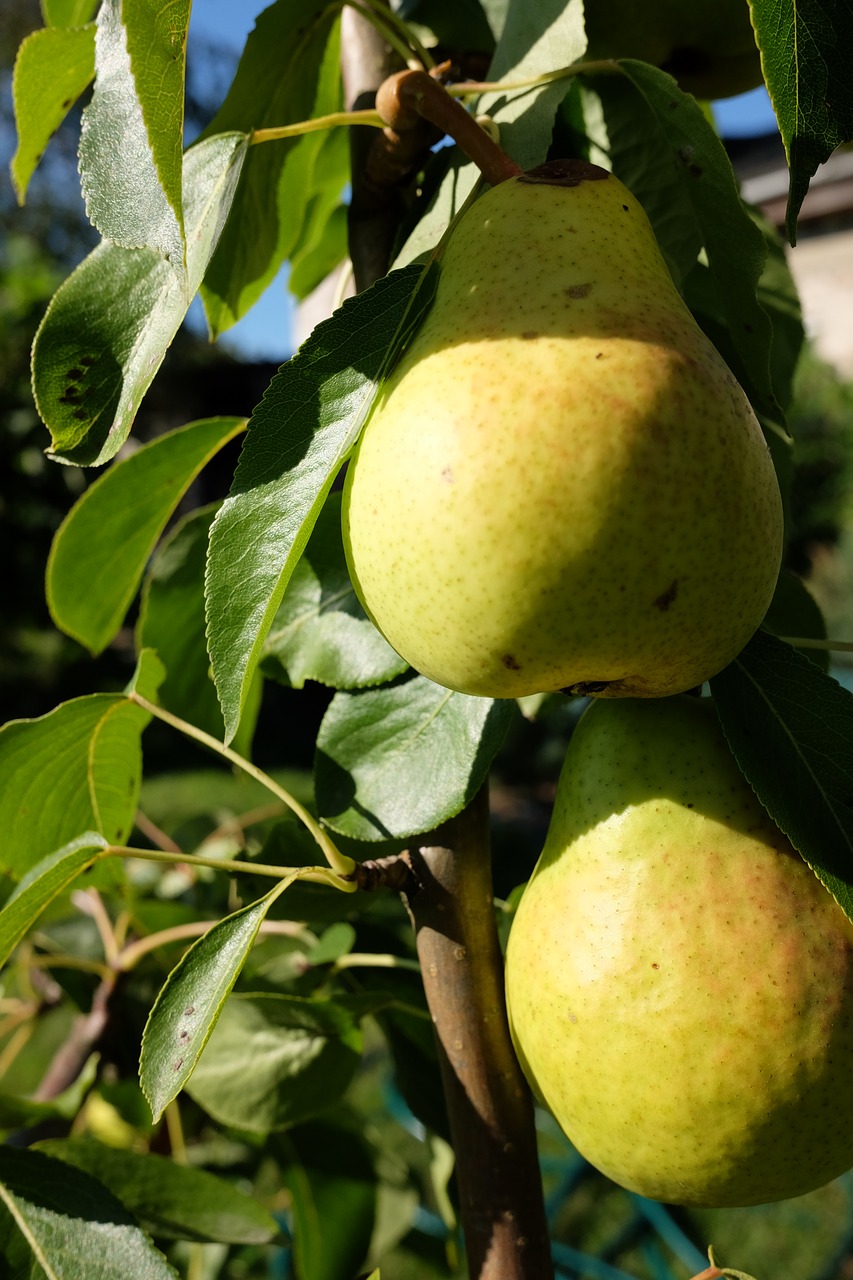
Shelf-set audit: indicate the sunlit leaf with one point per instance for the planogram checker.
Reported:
(75, 770)
(107, 330)
(132, 136)
(52, 69)
(100, 550)
(298, 438)
(44, 882)
(189, 1005)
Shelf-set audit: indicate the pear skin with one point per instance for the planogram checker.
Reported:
(679, 982)
(562, 486)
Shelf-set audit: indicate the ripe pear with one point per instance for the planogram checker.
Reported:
(709, 48)
(679, 982)
(562, 486)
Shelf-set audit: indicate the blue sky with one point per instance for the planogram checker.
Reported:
(265, 333)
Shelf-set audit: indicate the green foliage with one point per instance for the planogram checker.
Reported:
(291, 1024)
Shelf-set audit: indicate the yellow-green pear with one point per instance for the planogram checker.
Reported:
(562, 486)
(679, 982)
(710, 48)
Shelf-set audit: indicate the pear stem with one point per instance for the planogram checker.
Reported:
(488, 1102)
(408, 97)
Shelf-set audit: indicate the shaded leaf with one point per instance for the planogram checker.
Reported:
(52, 69)
(794, 613)
(189, 1005)
(131, 140)
(289, 71)
(735, 246)
(171, 620)
(171, 1201)
(100, 550)
(44, 882)
(805, 58)
(72, 1228)
(321, 631)
(303, 1054)
(18, 1112)
(397, 761)
(790, 727)
(298, 438)
(329, 1174)
(74, 770)
(109, 325)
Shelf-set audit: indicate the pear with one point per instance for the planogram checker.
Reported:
(562, 486)
(679, 982)
(709, 48)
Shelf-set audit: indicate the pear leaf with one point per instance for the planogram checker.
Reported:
(66, 1225)
(74, 770)
(303, 1052)
(297, 440)
(109, 325)
(171, 1201)
(131, 141)
(395, 761)
(805, 57)
(100, 550)
(790, 727)
(188, 1007)
(321, 631)
(52, 68)
(42, 883)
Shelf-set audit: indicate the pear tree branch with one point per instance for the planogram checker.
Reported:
(488, 1102)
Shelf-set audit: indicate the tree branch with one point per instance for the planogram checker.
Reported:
(489, 1105)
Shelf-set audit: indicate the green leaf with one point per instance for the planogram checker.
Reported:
(321, 631)
(189, 1005)
(71, 1227)
(131, 140)
(805, 58)
(171, 1201)
(171, 620)
(794, 613)
(52, 69)
(297, 440)
(42, 883)
(289, 71)
(68, 13)
(608, 121)
(397, 761)
(791, 728)
(321, 254)
(735, 246)
(303, 1054)
(332, 1184)
(535, 39)
(100, 550)
(76, 769)
(322, 243)
(109, 325)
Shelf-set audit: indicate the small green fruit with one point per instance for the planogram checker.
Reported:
(679, 983)
(709, 48)
(562, 485)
